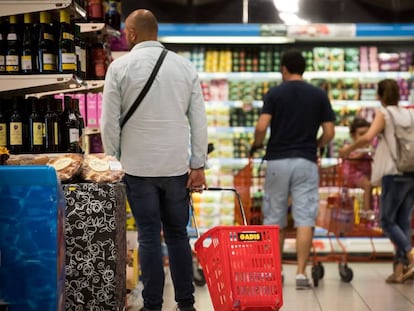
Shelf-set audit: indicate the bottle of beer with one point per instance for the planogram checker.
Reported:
(52, 126)
(47, 48)
(13, 47)
(67, 57)
(35, 127)
(28, 51)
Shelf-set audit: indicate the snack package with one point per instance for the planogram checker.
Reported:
(100, 168)
(67, 166)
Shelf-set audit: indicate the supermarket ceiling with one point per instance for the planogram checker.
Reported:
(264, 11)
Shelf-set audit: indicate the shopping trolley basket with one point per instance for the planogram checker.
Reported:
(241, 265)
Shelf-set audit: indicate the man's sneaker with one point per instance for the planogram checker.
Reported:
(302, 282)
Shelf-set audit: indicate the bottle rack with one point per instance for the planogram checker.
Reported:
(47, 84)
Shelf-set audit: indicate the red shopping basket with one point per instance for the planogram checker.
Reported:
(241, 265)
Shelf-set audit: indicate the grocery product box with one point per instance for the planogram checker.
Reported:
(91, 110)
(32, 242)
(95, 246)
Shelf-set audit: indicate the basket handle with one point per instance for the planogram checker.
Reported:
(219, 189)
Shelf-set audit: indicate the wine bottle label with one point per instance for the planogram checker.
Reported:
(73, 135)
(56, 133)
(49, 62)
(48, 36)
(26, 62)
(83, 60)
(3, 134)
(68, 61)
(16, 135)
(100, 69)
(12, 63)
(37, 133)
(68, 36)
(11, 37)
(2, 63)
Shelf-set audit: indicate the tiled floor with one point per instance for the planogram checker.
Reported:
(367, 291)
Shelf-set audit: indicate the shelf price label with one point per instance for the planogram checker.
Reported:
(273, 30)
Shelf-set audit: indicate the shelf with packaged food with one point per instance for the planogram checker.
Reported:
(309, 75)
(14, 7)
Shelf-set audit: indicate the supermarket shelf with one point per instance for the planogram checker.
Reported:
(84, 86)
(335, 103)
(240, 75)
(235, 104)
(225, 40)
(356, 75)
(231, 130)
(307, 75)
(14, 7)
(93, 27)
(26, 84)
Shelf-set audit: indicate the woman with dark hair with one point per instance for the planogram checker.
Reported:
(397, 194)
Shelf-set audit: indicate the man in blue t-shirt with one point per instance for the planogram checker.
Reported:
(294, 110)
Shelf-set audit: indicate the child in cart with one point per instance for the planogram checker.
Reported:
(357, 167)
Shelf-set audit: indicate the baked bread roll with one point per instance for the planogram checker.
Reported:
(67, 166)
(100, 168)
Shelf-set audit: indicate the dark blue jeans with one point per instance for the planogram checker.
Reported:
(397, 199)
(162, 203)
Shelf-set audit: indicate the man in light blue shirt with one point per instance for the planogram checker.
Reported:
(153, 148)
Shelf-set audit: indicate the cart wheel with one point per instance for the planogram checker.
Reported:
(318, 272)
(321, 270)
(199, 279)
(346, 273)
(315, 276)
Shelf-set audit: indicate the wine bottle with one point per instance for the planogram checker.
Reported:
(52, 130)
(113, 16)
(3, 126)
(47, 49)
(70, 130)
(28, 52)
(67, 57)
(95, 11)
(99, 57)
(13, 47)
(16, 128)
(79, 116)
(2, 48)
(35, 127)
(80, 53)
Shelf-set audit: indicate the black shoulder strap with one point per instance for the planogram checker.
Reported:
(145, 89)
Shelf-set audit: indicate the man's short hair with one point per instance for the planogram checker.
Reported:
(294, 61)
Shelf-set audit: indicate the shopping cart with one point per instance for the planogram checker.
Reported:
(241, 265)
(339, 214)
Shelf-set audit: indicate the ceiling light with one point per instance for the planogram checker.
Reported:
(292, 19)
(288, 6)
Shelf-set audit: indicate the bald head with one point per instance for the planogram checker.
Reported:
(141, 25)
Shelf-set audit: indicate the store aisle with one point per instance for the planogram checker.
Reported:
(367, 292)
